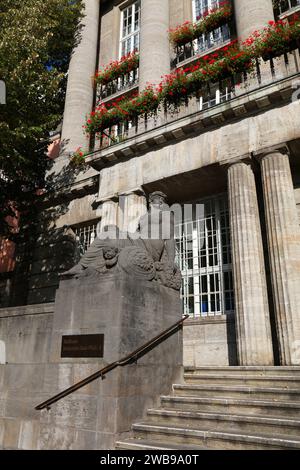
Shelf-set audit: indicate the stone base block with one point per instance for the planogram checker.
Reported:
(129, 312)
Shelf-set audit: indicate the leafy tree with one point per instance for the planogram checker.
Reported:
(36, 42)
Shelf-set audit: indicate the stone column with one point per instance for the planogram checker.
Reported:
(134, 206)
(284, 250)
(252, 15)
(253, 327)
(80, 92)
(154, 42)
(109, 213)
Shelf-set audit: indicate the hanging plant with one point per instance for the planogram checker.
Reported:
(78, 157)
(117, 69)
(210, 20)
(184, 83)
(278, 38)
(104, 117)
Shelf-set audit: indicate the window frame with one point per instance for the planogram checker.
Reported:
(134, 32)
(216, 271)
(215, 37)
(89, 231)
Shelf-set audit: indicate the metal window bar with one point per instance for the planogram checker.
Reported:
(85, 235)
(204, 257)
(121, 84)
(203, 43)
(215, 94)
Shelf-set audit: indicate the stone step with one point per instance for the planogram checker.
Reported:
(267, 393)
(249, 406)
(225, 422)
(140, 444)
(245, 370)
(284, 381)
(213, 439)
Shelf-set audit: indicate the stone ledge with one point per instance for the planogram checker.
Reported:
(37, 309)
(209, 320)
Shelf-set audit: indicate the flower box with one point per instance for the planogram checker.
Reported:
(277, 39)
(117, 69)
(280, 50)
(126, 109)
(210, 21)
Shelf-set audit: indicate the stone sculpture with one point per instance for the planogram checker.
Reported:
(149, 253)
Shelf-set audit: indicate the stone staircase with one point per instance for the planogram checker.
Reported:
(234, 408)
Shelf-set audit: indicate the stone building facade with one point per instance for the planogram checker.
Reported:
(234, 149)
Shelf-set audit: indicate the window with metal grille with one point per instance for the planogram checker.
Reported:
(130, 28)
(86, 234)
(204, 256)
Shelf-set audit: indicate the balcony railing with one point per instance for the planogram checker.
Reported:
(284, 6)
(204, 44)
(120, 85)
(210, 96)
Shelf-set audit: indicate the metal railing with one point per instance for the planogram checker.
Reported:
(130, 359)
(122, 84)
(202, 45)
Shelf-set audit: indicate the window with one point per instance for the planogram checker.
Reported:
(214, 38)
(202, 6)
(204, 256)
(215, 94)
(86, 234)
(286, 5)
(130, 28)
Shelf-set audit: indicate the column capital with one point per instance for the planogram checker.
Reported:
(136, 191)
(243, 159)
(97, 202)
(279, 148)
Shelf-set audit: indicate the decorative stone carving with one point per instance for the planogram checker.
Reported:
(138, 254)
(168, 276)
(136, 261)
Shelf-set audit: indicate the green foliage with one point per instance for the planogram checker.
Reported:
(78, 158)
(36, 41)
(209, 21)
(117, 68)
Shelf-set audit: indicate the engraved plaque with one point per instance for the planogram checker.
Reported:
(82, 346)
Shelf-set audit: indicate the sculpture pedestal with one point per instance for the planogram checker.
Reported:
(129, 312)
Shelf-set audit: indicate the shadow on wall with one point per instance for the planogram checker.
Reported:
(231, 341)
(43, 250)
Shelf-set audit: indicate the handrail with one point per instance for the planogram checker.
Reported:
(131, 358)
